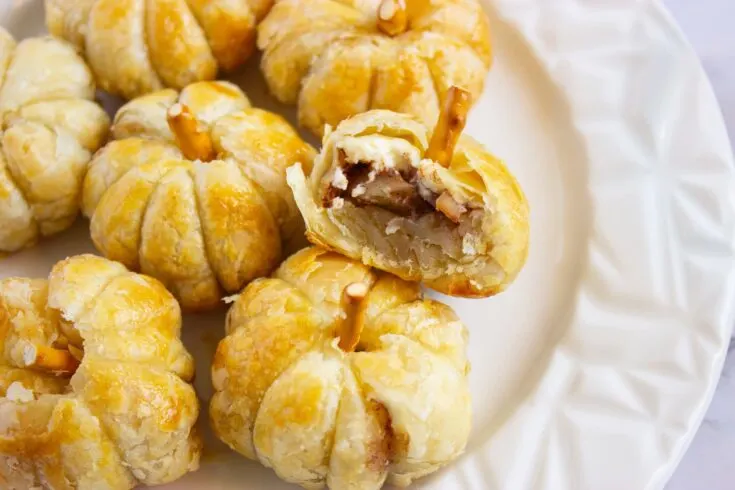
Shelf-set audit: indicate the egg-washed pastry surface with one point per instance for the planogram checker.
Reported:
(333, 373)
(50, 126)
(337, 58)
(443, 211)
(140, 46)
(192, 190)
(94, 381)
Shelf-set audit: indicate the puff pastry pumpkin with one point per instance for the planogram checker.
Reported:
(139, 46)
(444, 211)
(94, 381)
(192, 190)
(332, 373)
(50, 127)
(337, 58)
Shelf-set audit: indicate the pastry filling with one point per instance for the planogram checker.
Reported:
(396, 188)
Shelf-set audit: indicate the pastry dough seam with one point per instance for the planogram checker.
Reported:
(261, 191)
(197, 25)
(106, 431)
(388, 432)
(207, 252)
(332, 436)
(450, 35)
(89, 303)
(22, 194)
(4, 70)
(251, 431)
(200, 231)
(144, 33)
(252, 16)
(38, 100)
(32, 203)
(146, 210)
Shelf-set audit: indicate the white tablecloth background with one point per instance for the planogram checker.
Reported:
(709, 463)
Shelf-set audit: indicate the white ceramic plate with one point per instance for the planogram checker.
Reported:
(594, 370)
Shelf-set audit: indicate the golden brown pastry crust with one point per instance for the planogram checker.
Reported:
(127, 415)
(204, 229)
(334, 58)
(394, 409)
(139, 46)
(50, 128)
(479, 255)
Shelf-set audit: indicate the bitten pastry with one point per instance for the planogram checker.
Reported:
(192, 190)
(50, 128)
(139, 46)
(94, 381)
(338, 58)
(445, 211)
(333, 373)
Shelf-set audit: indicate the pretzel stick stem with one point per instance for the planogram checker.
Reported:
(46, 358)
(351, 328)
(449, 126)
(193, 139)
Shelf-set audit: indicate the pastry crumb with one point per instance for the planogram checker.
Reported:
(392, 227)
(468, 245)
(339, 181)
(16, 392)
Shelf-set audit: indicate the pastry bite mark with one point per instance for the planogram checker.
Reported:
(191, 136)
(469, 234)
(392, 17)
(351, 327)
(49, 359)
(389, 172)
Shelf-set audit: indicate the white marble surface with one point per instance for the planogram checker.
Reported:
(709, 464)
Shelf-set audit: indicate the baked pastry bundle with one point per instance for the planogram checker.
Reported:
(338, 58)
(192, 190)
(439, 210)
(333, 373)
(94, 381)
(139, 46)
(50, 128)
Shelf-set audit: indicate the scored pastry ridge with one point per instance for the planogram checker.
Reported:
(192, 190)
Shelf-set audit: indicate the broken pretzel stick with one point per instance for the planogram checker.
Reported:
(351, 328)
(193, 139)
(46, 358)
(450, 208)
(392, 17)
(449, 126)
